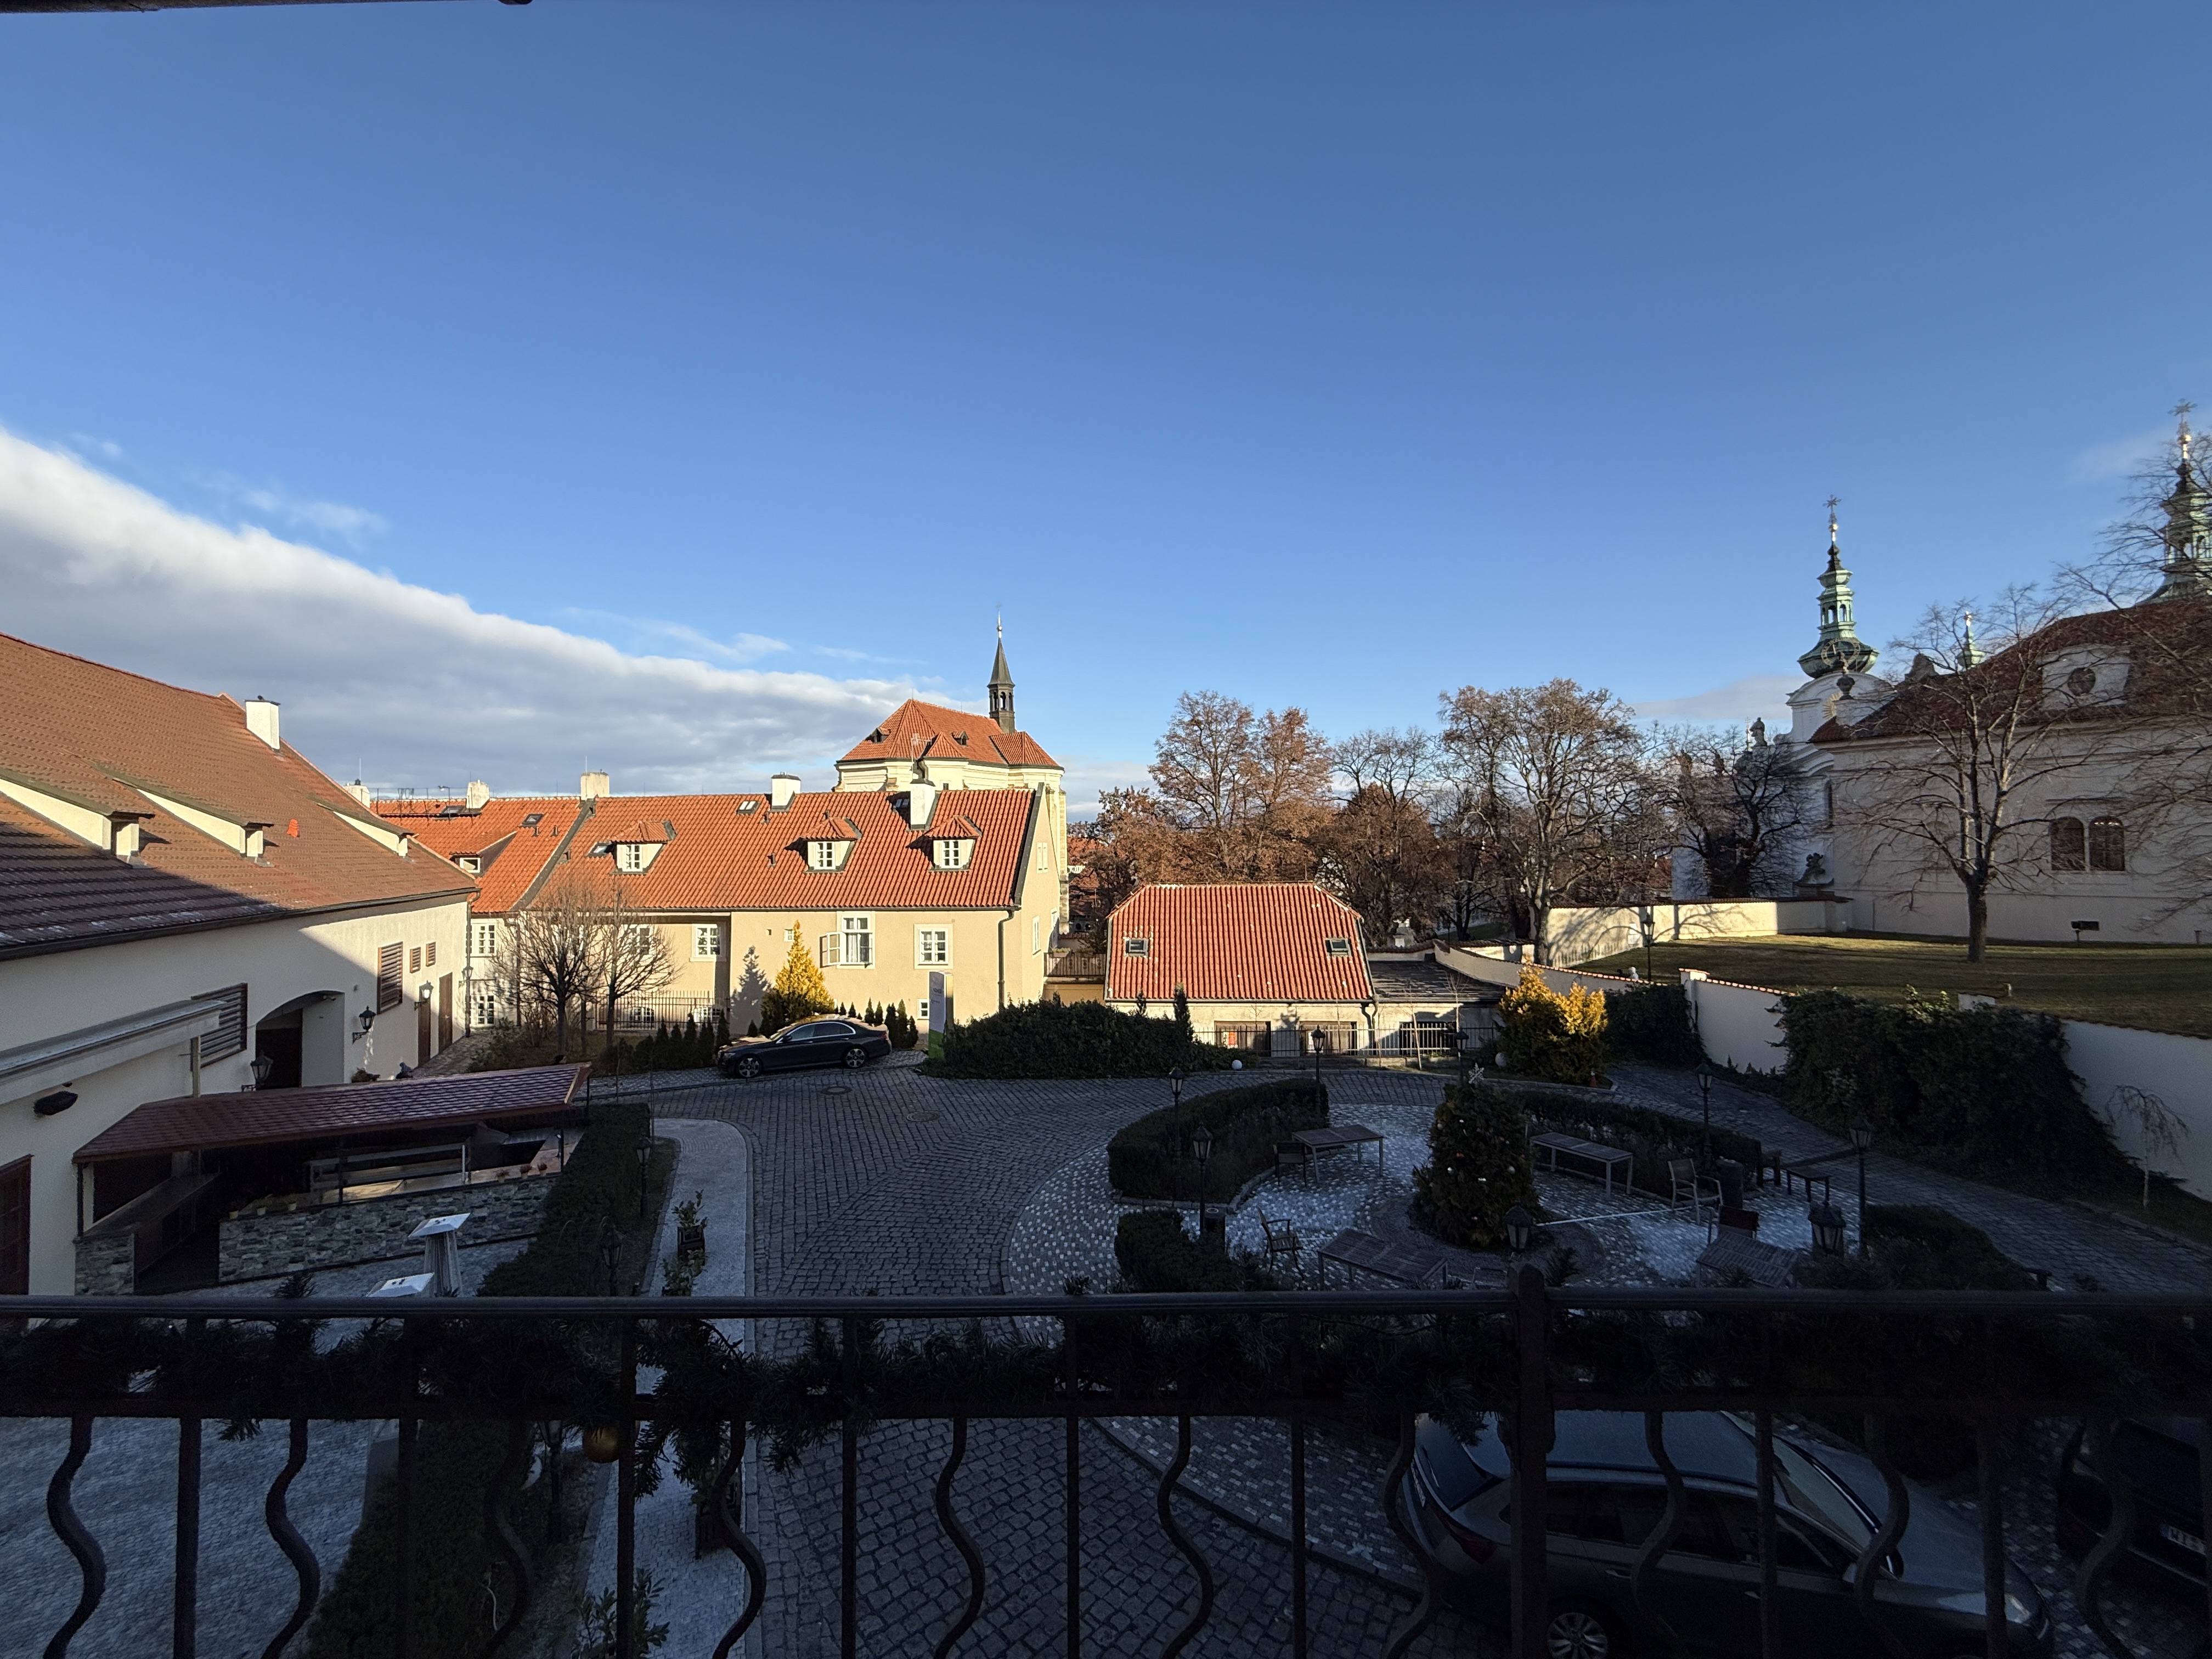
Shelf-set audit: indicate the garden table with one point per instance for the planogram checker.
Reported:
(1339, 1137)
(1595, 1151)
(1420, 1270)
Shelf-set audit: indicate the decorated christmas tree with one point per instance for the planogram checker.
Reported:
(1478, 1168)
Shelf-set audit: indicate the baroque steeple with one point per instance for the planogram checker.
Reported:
(1840, 650)
(1002, 686)
(2187, 566)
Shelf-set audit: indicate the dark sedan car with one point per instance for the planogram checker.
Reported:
(1605, 1496)
(2158, 1455)
(828, 1042)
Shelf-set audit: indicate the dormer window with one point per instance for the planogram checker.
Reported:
(953, 852)
(827, 852)
(471, 863)
(1136, 947)
(1337, 947)
(629, 856)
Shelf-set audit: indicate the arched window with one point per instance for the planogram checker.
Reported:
(2108, 844)
(2069, 846)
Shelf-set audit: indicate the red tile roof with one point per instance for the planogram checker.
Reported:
(291, 1116)
(734, 852)
(1252, 942)
(515, 852)
(916, 730)
(97, 737)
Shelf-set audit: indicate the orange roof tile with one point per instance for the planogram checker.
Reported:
(916, 730)
(514, 850)
(1246, 942)
(97, 737)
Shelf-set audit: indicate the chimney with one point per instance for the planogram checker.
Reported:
(359, 792)
(594, 785)
(479, 794)
(921, 802)
(780, 788)
(261, 719)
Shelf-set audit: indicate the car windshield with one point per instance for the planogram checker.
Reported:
(1811, 1490)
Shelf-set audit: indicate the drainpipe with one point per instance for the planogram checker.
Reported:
(196, 1068)
(1021, 883)
(1003, 920)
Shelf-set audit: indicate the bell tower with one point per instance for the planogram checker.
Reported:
(1002, 686)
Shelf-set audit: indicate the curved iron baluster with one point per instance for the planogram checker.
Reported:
(497, 1525)
(63, 1517)
(1393, 1489)
(718, 1501)
(1180, 1639)
(1662, 1535)
(2119, 1531)
(288, 1541)
(1868, 1569)
(961, 1540)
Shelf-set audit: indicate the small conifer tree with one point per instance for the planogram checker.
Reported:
(800, 989)
(1478, 1168)
(1183, 1013)
(1544, 1034)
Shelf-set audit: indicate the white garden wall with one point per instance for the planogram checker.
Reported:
(1581, 934)
(2177, 1069)
(1740, 1025)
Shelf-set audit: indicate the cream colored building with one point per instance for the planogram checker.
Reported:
(181, 893)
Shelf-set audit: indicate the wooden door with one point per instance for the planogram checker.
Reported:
(16, 1228)
(445, 1012)
(422, 1031)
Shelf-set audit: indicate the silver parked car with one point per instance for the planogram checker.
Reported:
(1605, 1496)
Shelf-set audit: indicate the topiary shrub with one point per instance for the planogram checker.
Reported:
(1146, 1160)
(1155, 1253)
(1651, 1023)
(1545, 1034)
(1078, 1039)
(1477, 1167)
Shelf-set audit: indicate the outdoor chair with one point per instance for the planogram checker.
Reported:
(1741, 1221)
(1294, 1154)
(1683, 1182)
(1281, 1240)
(1770, 1166)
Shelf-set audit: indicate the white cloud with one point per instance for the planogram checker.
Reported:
(1756, 695)
(738, 647)
(356, 524)
(419, 688)
(1089, 776)
(2121, 457)
(105, 447)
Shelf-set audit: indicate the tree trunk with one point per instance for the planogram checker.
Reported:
(1540, 933)
(1977, 920)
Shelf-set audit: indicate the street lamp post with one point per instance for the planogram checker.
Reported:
(611, 1253)
(644, 1165)
(1827, 1223)
(1201, 1144)
(1706, 1094)
(1643, 922)
(1862, 1137)
(1519, 1230)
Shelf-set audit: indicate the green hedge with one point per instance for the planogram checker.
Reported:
(1649, 1136)
(1077, 1039)
(1146, 1160)
(1652, 1023)
(457, 1462)
(1983, 1089)
(668, 1047)
(1155, 1253)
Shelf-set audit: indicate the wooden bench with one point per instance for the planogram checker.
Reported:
(1594, 1151)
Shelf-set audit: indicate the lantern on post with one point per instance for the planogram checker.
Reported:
(1519, 1230)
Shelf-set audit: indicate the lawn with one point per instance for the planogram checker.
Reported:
(2157, 988)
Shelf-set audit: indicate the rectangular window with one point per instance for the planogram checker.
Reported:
(860, 950)
(16, 1228)
(1036, 935)
(1241, 1034)
(414, 960)
(832, 952)
(1136, 947)
(229, 1037)
(1338, 947)
(822, 854)
(629, 857)
(953, 852)
(932, 947)
(390, 962)
(2108, 844)
(486, 934)
(706, 941)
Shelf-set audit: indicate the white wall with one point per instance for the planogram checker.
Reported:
(1740, 1025)
(1583, 934)
(46, 996)
(2177, 1069)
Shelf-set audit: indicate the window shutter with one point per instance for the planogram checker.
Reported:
(229, 1037)
(829, 943)
(389, 960)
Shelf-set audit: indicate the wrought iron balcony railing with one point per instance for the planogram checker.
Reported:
(1297, 1358)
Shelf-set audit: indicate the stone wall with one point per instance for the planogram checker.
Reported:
(106, 1263)
(256, 1246)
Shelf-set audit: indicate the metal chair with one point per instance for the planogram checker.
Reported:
(1683, 1182)
(1294, 1154)
(1281, 1241)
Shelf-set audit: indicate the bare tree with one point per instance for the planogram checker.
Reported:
(1236, 796)
(1951, 778)
(1553, 776)
(1382, 856)
(1734, 805)
(550, 952)
(1202, 768)
(634, 960)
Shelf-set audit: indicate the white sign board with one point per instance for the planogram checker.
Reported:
(940, 1003)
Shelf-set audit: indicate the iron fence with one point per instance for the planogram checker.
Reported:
(1541, 1370)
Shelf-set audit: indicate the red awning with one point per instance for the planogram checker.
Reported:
(265, 1117)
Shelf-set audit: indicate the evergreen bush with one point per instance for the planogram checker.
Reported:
(1651, 1023)
(1545, 1034)
(1477, 1167)
(1981, 1089)
(1152, 1159)
(1155, 1253)
(800, 991)
(1079, 1039)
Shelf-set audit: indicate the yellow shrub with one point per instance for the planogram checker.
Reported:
(1545, 1034)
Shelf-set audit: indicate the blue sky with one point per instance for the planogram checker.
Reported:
(1330, 354)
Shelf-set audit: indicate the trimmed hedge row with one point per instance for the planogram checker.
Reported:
(1982, 1088)
(1652, 1025)
(1150, 1157)
(456, 1463)
(1076, 1039)
(1155, 1253)
(1649, 1136)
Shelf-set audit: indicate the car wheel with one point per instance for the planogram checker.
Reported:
(748, 1066)
(855, 1059)
(1578, 1630)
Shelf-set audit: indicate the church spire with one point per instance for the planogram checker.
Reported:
(2187, 566)
(1840, 649)
(1002, 686)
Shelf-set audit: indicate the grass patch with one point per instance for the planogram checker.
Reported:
(2155, 988)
